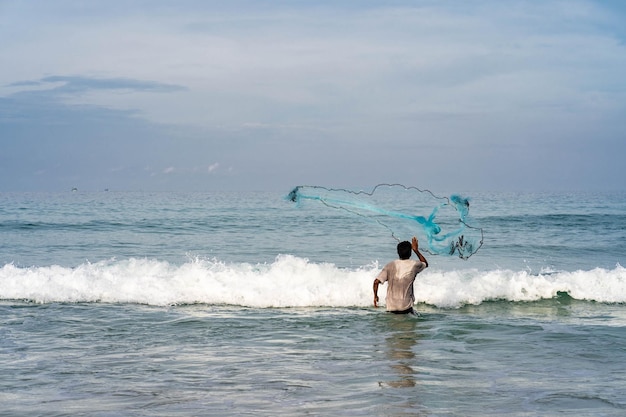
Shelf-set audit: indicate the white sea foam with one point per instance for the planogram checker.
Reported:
(289, 282)
(452, 289)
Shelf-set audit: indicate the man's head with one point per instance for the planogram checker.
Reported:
(404, 249)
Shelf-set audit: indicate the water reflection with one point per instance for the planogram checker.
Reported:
(400, 343)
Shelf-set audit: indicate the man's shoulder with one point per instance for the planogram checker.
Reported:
(413, 263)
(397, 263)
(390, 264)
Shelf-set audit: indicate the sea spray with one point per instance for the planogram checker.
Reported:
(290, 281)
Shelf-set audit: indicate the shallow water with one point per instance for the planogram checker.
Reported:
(544, 358)
(131, 304)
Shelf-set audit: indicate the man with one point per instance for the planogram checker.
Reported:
(399, 275)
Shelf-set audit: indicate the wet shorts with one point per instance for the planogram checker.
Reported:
(407, 311)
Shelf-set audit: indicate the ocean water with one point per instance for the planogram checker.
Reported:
(189, 304)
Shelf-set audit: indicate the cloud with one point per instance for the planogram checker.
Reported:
(78, 83)
(283, 92)
(59, 85)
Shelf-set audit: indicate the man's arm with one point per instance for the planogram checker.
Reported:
(376, 283)
(417, 252)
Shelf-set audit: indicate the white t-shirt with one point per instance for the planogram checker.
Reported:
(399, 275)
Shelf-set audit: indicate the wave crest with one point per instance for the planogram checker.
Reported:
(290, 281)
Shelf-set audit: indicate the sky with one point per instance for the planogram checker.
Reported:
(265, 95)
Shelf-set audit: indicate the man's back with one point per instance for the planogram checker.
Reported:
(399, 275)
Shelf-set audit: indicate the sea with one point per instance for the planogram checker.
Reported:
(246, 304)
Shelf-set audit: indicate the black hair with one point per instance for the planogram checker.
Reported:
(404, 249)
